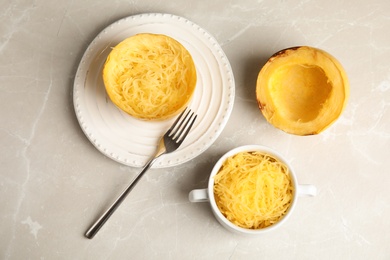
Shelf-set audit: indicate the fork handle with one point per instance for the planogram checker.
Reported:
(92, 231)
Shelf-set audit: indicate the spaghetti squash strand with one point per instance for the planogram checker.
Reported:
(253, 190)
(150, 76)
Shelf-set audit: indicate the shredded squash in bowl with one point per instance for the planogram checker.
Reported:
(150, 76)
(253, 190)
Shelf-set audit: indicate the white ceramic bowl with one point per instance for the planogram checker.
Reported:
(202, 195)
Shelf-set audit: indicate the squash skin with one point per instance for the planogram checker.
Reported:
(302, 90)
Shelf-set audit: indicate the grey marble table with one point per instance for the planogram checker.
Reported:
(54, 182)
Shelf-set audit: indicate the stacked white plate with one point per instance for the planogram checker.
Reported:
(131, 141)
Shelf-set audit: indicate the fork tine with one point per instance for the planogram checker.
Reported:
(176, 122)
(188, 127)
(177, 136)
(181, 127)
(177, 126)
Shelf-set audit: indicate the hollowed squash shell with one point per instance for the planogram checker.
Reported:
(302, 90)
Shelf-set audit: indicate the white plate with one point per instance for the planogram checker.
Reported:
(131, 141)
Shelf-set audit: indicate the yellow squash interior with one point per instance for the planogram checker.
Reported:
(150, 76)
(302, 90)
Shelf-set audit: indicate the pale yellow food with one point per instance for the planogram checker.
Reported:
(150, 76)
(302, 90)
(253, 190)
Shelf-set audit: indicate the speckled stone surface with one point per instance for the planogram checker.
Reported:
(54, 182)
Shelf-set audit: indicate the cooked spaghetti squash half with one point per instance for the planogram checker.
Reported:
(150, 76)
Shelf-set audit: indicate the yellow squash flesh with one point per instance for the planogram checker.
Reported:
(150, 76)
(302, 90)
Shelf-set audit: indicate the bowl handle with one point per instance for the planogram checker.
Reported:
(199, 195)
